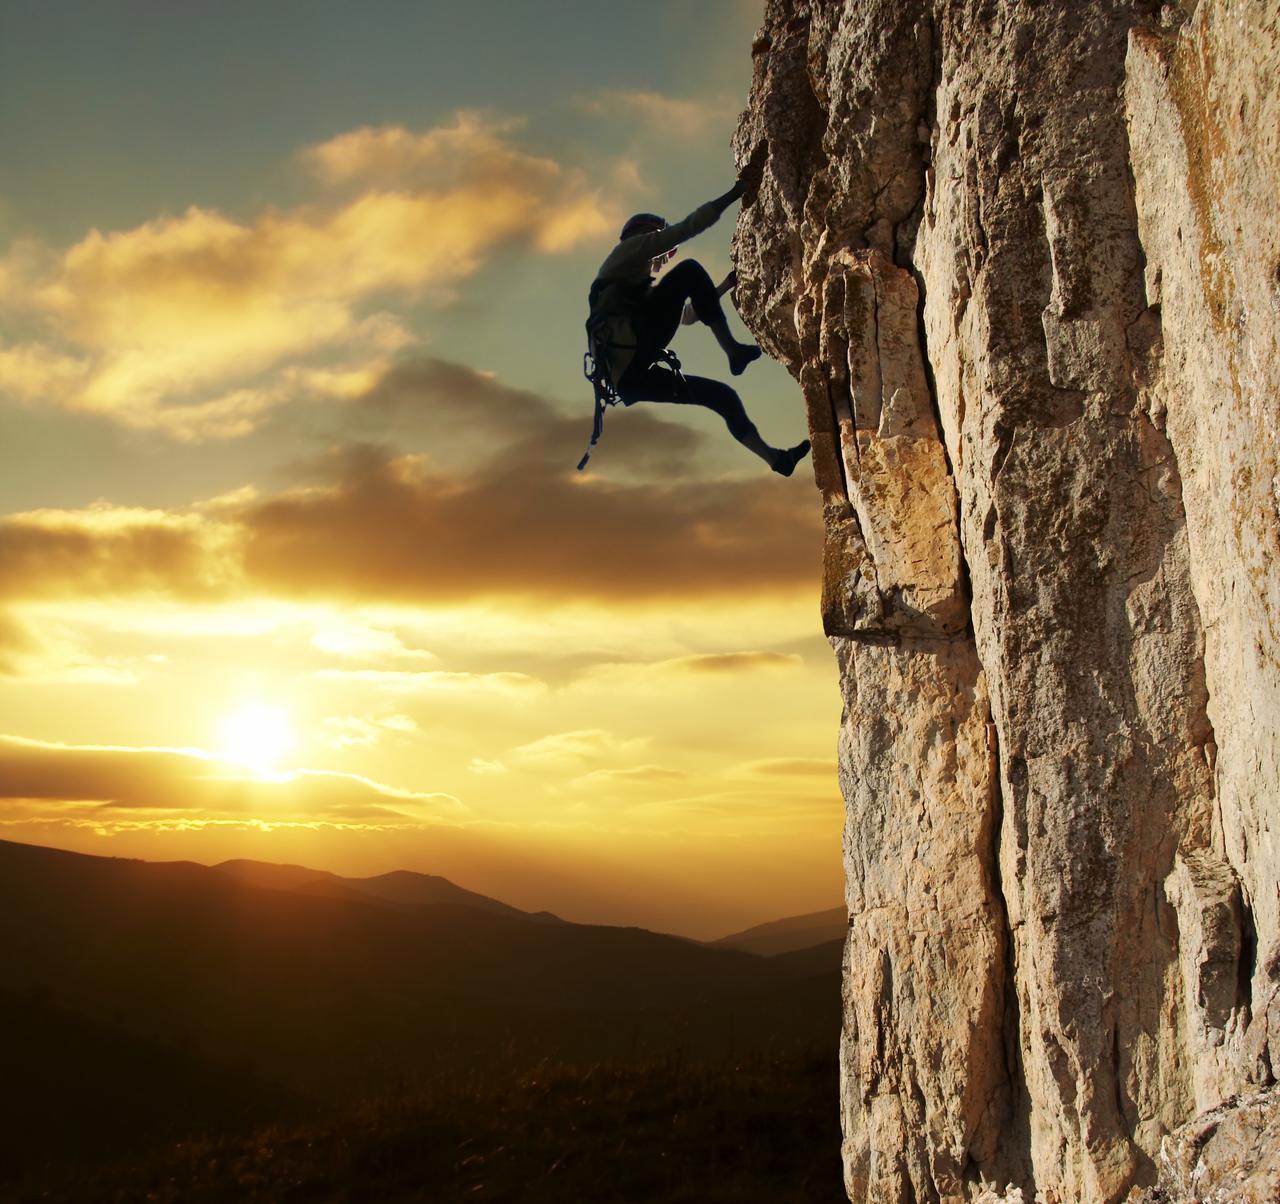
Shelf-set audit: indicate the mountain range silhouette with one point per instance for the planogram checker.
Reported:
(156, 998)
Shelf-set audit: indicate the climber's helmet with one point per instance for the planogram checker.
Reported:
(642, 223)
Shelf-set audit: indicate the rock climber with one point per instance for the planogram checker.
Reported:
(633, 320)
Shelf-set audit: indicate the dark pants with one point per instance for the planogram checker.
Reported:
(655, 326)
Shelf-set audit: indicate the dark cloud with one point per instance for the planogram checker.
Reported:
(102, 552)
(379, 523)
(519, 520)
(524, 527)
(440, 394)
(454, 411)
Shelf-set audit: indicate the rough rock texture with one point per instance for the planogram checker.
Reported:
(1023, 258)
(1231, 1153)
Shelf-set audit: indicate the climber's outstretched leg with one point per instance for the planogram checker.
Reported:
(659, 319)
(660, 384)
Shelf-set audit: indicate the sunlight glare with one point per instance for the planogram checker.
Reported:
(257, 736)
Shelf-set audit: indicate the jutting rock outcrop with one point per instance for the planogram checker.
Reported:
(1023, 258)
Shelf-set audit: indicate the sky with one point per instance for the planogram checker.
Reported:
(294, 562)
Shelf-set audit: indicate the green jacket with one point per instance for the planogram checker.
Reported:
(626, 276)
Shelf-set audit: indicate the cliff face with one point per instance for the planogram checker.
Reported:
(1023, 258)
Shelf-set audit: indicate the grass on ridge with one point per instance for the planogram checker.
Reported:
(761, 1128)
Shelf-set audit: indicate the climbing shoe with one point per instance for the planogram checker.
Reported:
(784, 463)
(744, 355)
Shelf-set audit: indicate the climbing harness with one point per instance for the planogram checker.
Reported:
(595, 367)
(624, 298)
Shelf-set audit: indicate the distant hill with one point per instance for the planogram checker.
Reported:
(330, 992)
(785, 936)
(399, 886)
(152, 999)
(812, 960)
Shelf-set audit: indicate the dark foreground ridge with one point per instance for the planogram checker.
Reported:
(168, 1012)
(757, 1129)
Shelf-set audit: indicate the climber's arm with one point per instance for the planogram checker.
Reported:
(659, 242)
(646, 247)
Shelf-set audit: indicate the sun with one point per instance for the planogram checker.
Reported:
(257, 736)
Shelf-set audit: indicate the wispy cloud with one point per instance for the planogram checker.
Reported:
(670, 116)
(351, 640)
(700, 665)
(427, 682)
(575, 749)
(354, 731)
(105, 787)
(791, 767)
(639, 776)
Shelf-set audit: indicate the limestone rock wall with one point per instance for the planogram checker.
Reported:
(1023, 258)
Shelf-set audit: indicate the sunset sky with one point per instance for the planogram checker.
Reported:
(294, 562)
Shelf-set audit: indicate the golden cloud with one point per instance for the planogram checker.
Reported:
(34, 372)
(474, 149)
(474, 154)
(170, 324)
(107, 787)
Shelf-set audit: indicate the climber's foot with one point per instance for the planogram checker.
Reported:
(784, 463)
(742, 356)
